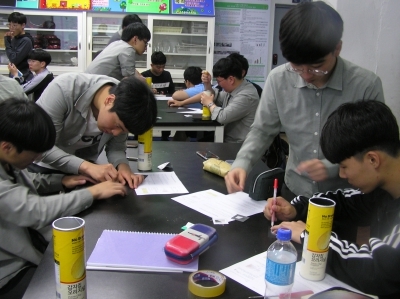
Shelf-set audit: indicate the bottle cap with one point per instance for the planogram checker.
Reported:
(284, 234)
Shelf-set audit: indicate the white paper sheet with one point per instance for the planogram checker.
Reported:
(217, 205)
(192, 111)
(161, 183)
(251, 272)
(160, 97)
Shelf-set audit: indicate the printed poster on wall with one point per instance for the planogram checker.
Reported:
(27, 4)
(193, 7)
(243, 27)
(65, 4)
(135, 6)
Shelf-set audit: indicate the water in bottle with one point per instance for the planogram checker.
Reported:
(280, 266)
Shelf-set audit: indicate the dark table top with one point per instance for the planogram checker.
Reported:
(158, 213)
(170, 117)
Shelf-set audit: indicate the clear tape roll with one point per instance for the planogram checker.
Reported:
(215, 278)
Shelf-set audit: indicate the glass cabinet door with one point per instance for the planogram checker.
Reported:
(3, 29)
(59, 33)
(184, 41)
(102, 27)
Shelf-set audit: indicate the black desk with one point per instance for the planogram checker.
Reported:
(158, 213)
(170, 120)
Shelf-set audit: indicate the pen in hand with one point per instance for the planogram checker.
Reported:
(274, 202)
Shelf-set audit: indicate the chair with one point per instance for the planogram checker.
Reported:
(37, 91)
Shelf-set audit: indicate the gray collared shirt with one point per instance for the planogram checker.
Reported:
(289, 105)
(236, 111)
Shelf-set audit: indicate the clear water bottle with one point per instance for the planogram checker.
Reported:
(280, 266)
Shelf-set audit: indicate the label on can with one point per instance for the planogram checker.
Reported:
(317, 238)
(145, 144)
(69, 257)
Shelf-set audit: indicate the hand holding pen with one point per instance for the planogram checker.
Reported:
(274, 202)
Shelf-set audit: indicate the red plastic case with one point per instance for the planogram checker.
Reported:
(190, 243)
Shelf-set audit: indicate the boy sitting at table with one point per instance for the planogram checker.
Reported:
(26, 131)
(363, 138)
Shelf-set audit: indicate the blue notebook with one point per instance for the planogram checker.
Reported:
(134, 251)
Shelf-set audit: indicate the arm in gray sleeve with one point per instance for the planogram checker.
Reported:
(116, 150)
(28, 86)
(127, 62)
(263, 131)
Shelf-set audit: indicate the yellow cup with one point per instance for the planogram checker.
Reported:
(206, 111)
(149, 81)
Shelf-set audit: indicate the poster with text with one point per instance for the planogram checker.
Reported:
(65, 4)
(193, 7)
(243, 27)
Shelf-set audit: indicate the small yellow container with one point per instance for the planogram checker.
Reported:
(206, 111)
(145, 148)
(149, 81)
(317, 238)
(69, 257)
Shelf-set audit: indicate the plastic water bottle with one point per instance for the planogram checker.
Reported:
(280, 266)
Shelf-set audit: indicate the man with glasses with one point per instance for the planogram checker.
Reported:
(18, 44)
(299, 96)
(117, 60)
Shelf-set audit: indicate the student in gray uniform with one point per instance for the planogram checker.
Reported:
(26, 131)
(10, 88)
(127, 20)
(117, 60)
(92, 113)
(234, 106)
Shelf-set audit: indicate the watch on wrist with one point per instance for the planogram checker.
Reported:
(210, 105)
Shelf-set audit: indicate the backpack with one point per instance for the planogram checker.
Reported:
(276, 155)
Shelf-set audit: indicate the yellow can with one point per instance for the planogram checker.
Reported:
(69, 257)
(145, 149)
(149, 81)
(206, 113)
(317, 238)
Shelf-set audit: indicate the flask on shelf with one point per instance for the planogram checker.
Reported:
(145, 144)
(280, 266)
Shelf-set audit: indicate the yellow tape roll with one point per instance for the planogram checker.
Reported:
(208, 277)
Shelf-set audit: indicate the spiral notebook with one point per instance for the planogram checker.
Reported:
(134, 251)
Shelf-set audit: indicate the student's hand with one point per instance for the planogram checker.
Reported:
(206, 99)
(12, 69)
(71, 181)
(284, 211)
(9, 33)
(154, 90)
(107, 189)
(99, 172)
(175, 103)
(125, 175)
(205, 77)
(235, 179)
(314, 168)
(297, 227)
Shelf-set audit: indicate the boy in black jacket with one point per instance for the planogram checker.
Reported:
(18, 44)
(363, 138)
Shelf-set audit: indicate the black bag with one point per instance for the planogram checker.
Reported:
(261, 185)
(276, 155)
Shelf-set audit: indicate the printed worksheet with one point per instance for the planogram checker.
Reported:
(161, 183)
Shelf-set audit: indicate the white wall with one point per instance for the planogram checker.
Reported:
(371, 39)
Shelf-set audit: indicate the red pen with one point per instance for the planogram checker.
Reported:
(274, 202)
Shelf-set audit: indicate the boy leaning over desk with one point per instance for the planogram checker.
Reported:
(26, 131)
(363, 138)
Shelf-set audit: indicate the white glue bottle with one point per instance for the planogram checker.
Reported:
(280, 266)
(145, 148)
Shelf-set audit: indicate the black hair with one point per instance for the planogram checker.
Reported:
(192, 74)
(134, 104)
(309, 31)
(26, 125)
(158, 58)
(130, 19)
(226, 67)
(40, 55)
(356, 128)
(17, 17)
(136, 29)
(240, 59)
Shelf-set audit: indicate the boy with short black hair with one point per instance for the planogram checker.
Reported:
(26, 131)
(161, 79)
(127, 20)
(18, 44)
(363, 138)
(117, 60)
(38, 61)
